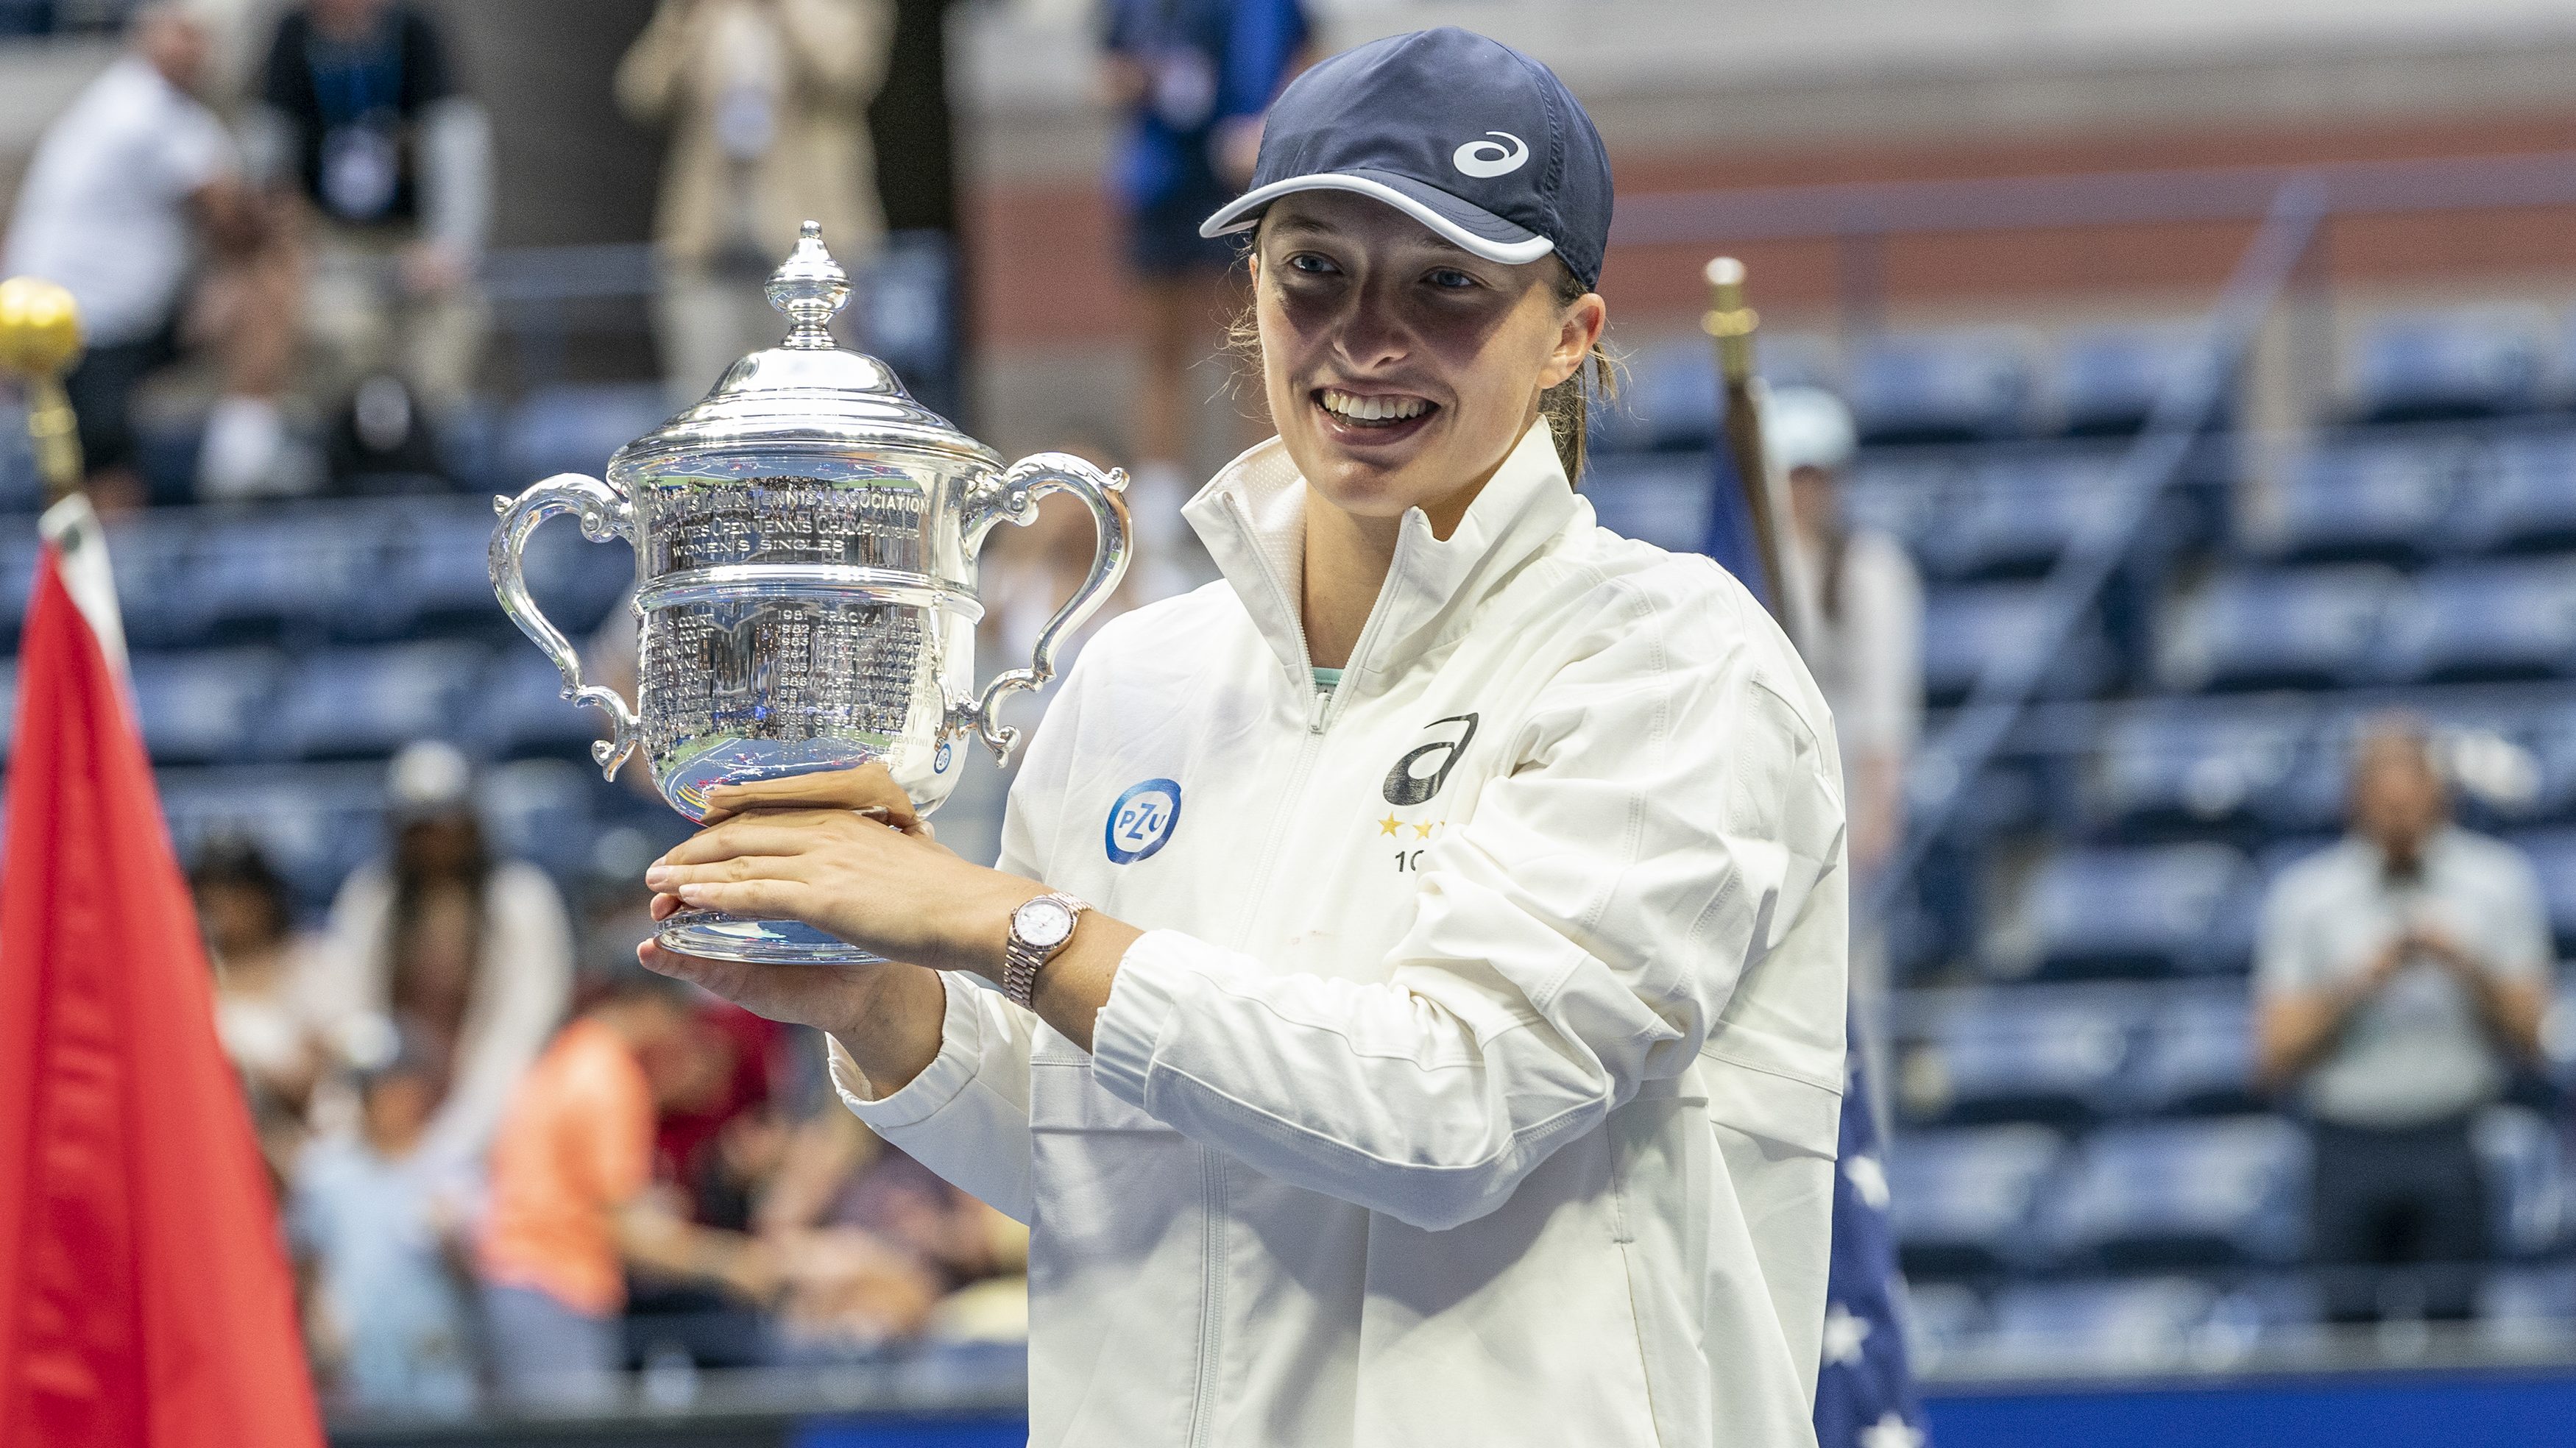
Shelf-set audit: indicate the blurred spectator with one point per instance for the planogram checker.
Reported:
(2401, 977)
(1857, 604)
(1191, 80)
(281, 1017)
(472, 953)
(122, 187)
(883, 1248)
(379, 1227)
(766, 102)
(572, 1206)
(359, 116)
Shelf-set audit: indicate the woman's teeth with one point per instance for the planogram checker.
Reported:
(1353, 408)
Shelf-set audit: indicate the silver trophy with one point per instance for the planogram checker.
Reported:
(805, 542)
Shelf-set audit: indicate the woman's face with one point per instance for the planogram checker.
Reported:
(1399, 369)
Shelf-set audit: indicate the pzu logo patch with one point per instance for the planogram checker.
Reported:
(1419, 774)
(1141, 820)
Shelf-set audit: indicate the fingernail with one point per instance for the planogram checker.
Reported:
(657, 877)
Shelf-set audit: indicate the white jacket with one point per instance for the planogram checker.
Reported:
(1478, 1080)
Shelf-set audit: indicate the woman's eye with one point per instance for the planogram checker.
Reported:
(1311, 264)
(1451, 279)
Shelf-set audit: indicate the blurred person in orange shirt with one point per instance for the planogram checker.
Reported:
(571, 1201)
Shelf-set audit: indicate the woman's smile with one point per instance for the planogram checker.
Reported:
(1371, 419)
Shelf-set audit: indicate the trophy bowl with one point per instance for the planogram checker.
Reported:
(805, 542)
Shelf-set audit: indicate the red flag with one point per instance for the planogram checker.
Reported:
(145, 1300)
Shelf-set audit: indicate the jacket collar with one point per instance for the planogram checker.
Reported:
(1252, 516)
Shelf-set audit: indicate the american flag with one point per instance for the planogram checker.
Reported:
(1865, 1394)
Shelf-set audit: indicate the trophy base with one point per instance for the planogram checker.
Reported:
(719, 936)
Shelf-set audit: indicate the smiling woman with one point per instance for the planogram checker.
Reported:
(1419, 964)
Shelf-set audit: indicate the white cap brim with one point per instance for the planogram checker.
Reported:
(1453, 222)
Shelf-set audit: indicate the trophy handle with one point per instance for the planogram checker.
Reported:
(605, 513)
(1014, 495)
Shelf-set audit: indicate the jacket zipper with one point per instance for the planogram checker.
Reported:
(1212, 1164)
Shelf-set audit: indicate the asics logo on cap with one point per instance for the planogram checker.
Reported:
(1485, 158)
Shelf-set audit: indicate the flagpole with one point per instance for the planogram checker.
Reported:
(1731, 324)
(40, 334)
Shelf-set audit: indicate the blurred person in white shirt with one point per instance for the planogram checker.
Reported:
(2400, 979)
(129, 188)
(471, 953)
(1857, 607)
(1856, 610)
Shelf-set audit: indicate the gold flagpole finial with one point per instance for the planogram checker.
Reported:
(40, 335)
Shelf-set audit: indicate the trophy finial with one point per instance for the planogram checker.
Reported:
(809, 287)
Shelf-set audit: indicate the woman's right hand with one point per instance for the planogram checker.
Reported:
(886, 1014)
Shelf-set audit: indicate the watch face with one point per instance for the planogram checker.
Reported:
(1044, 922)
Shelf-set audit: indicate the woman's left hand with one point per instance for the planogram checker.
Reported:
(859, 878)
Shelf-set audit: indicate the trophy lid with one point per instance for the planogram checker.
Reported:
(804, 393)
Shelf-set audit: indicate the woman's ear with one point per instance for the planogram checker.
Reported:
(1577, 331)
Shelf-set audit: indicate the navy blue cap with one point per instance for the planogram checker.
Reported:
(1466, 135)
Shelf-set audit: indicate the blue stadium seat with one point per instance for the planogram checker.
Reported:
(19, 549)
(2051, 1053)
(523, 711)
(539, 810)
(2521, 496)
(154, 559)
(2188, 765)
(2153, 1194)
(2553, 858)
(21, 489)
(2195, 1055)
(2529, 1309)
(2360, 500)
(1943, 1321)
(314, 823)
(1658, 498)
(573, 429)
(2511, 619)
(207, 707)
(1910, 495)
(1966, 386)
(2512, 761)
(2108, 379)
(8, 705)
(258, 575)
(1965, 628)
(2306, 628)
(2101, 911)
(1962, 1201)
(2015, 517)
(2101, 1326)
(1669, 400)
(2474, 362)
(2526, 1171)
(343, 703)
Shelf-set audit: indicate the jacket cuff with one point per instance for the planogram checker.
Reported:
(1143, 998)
(961, 1046)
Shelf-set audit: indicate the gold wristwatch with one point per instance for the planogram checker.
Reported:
(1039, 929)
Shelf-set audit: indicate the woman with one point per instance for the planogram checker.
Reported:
(1447, 1044)
(472, 955)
